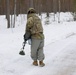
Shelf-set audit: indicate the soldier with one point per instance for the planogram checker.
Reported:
(34, 30)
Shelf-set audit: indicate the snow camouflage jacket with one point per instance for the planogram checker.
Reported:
(34, 26)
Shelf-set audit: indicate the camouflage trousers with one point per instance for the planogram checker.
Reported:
(37, 49)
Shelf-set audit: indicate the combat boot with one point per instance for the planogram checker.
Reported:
(41, 63)
(35, 63)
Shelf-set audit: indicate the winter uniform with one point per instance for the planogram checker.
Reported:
(34, 27)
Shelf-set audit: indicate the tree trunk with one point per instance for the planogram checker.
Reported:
(14, 13)
(8, 14)
(59, 12)
(31, 3)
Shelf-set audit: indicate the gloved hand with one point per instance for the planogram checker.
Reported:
(25, 39)
(27, 36)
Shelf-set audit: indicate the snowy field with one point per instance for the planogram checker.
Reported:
(59, 49)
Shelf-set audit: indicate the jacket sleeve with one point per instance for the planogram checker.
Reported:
(29, 24)
(27, 34)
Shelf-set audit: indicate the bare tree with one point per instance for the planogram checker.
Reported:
(14, 13)
(54, 8)
(74, 8)
(31, 3)
(8, 13)
(59, 11)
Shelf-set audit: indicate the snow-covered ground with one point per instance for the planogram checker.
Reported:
(59, 49)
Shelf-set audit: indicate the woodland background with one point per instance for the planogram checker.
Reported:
(16, 7)
(22, 6)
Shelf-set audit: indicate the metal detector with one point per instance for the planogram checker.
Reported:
(22, 49)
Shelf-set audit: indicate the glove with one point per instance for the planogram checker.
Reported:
(27, 36)
(25, 39)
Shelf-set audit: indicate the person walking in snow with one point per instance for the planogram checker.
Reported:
(34, 30)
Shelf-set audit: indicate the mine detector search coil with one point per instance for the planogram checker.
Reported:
(22, 49)
(27, 36)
